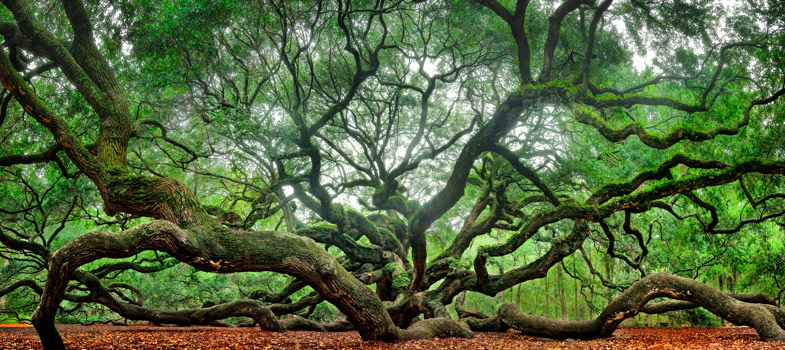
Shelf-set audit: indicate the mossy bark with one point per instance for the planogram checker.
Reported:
(766, 319)
(224, 252)
(230, 251)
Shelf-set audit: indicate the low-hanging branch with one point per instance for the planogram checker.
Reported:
(751, 310)
(280, 252)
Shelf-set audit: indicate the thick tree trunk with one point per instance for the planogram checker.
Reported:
(767, 320)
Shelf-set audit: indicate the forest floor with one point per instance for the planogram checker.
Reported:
(149, 337)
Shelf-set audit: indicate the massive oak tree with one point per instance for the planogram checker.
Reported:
(367, 127)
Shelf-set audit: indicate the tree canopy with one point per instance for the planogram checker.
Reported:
(392, 159)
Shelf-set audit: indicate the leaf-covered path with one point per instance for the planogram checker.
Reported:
(143, 337)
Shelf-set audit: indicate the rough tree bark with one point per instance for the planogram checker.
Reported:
(755, 312)
(233, 251)
(188, 232)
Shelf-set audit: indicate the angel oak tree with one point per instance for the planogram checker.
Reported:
(366, 126)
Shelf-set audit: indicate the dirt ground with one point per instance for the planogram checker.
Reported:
(148, 337)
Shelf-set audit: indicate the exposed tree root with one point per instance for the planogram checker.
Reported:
(767, 320)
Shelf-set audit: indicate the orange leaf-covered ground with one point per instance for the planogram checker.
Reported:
(147, 337)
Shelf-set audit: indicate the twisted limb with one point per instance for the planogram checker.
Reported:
(229, 251)
(750, 310)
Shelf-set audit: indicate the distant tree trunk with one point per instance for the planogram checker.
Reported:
(586, 309)
(536, 302)
(560, 291)
(501, 271)
(608, 262)
(518, 294)
(2, 299)
(547, 299)
(576, 313)
(286, 209)
(732, 284)
(721, 286)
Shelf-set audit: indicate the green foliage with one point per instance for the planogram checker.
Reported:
(700, 318)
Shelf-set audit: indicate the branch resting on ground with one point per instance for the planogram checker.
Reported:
(744, 309)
